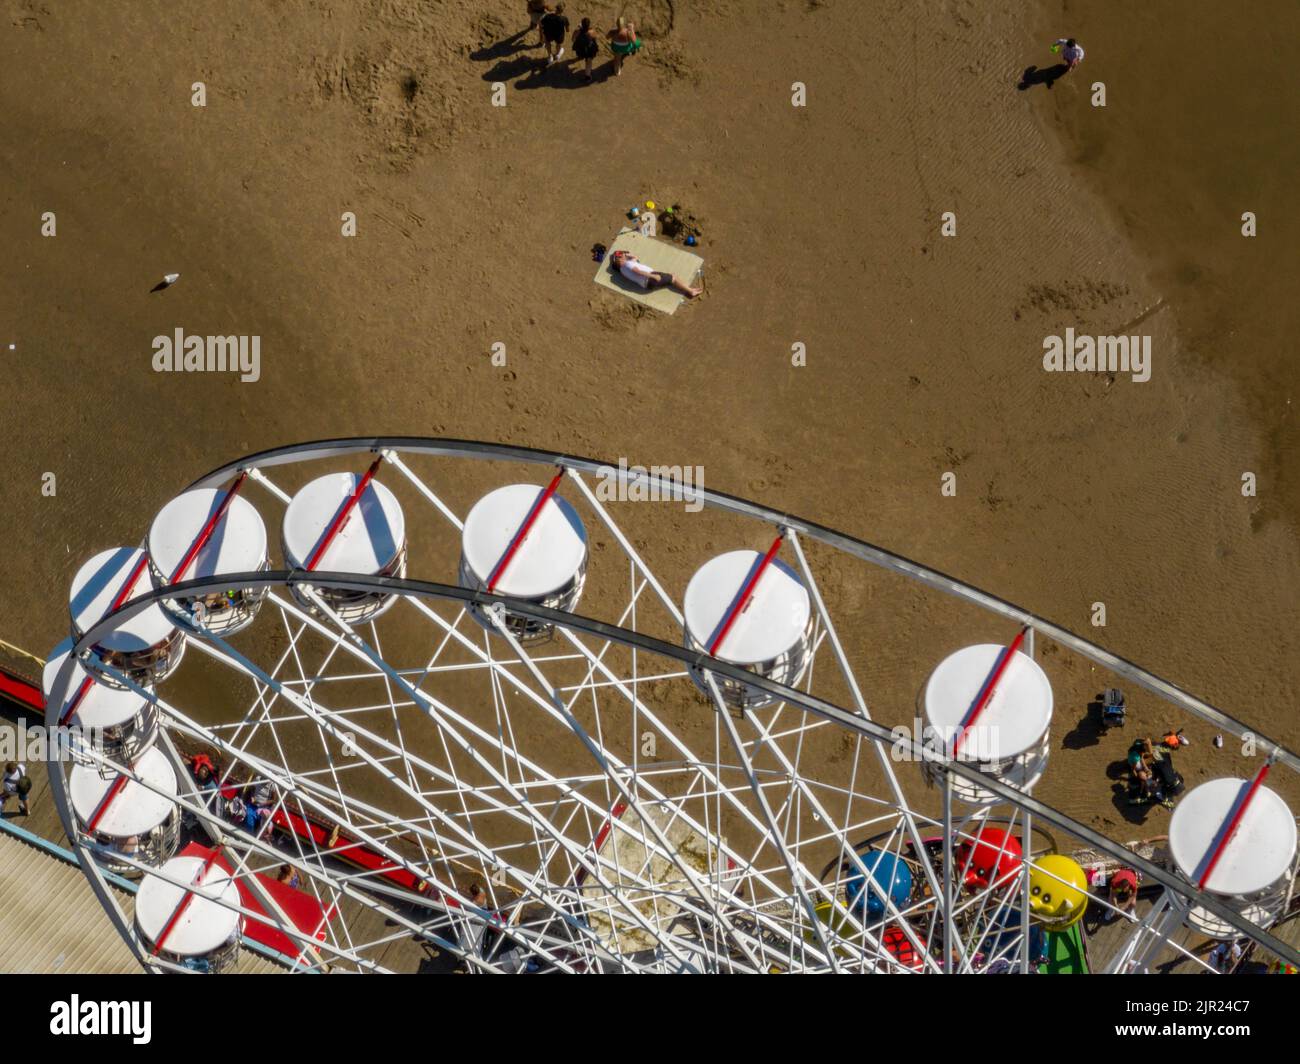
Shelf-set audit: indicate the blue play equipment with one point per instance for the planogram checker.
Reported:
(889, 876)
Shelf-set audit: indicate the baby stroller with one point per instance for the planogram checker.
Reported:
(1113, 708)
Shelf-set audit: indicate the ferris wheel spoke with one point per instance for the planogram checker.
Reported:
(441, 715)
(550, 706)
(646, 820)
(798, 784)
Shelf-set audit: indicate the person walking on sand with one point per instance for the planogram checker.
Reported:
(555, 27)
(586, 46)
(1071, 52)
(639, 273)
(624, 41)
(536, 9)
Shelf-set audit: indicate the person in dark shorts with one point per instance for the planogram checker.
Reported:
(636, 271)
(536, 9)
(555, 27)
(586, 46)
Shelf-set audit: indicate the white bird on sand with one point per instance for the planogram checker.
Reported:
(168, 280)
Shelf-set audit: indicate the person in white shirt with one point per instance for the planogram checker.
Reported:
(15, 784)
(1071, 52)
(640, 274)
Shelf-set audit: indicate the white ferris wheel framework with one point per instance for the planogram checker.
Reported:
(732, 850)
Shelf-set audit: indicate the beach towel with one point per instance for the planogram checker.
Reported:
(659, 255)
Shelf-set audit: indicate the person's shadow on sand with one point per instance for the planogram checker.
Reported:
(509, 69)
(1033, 76)
(566, 74)
(533, 71)
(1088, 731)
(507, 46)
(1118, 772)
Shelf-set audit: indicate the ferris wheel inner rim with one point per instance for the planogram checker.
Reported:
(864, 726)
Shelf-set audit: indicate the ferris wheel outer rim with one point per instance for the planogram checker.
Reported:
(857, 548)
(698, 660)
(481, 450)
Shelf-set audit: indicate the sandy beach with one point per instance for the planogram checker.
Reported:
(821, 227)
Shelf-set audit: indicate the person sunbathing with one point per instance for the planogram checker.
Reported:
(639, 273)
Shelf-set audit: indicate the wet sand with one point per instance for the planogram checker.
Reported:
(1197, 131)
(821, 228)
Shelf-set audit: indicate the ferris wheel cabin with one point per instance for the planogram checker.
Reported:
(128, 818)
(991, 705)
(115, 721)
(148, 646)
(203, 534)
(528, 543)
(190, 926)
(345, 523)
(1237, 842)
(753, 611)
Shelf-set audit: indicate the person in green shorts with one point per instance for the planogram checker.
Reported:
(624, 41)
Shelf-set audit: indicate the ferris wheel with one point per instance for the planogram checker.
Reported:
(622, 736)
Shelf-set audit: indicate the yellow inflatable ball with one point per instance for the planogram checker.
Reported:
(1058, 892)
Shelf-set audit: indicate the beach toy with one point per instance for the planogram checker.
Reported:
(888, 874)
(1055, 48)
(691, 241)
(1055, 904)
(649, 204)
